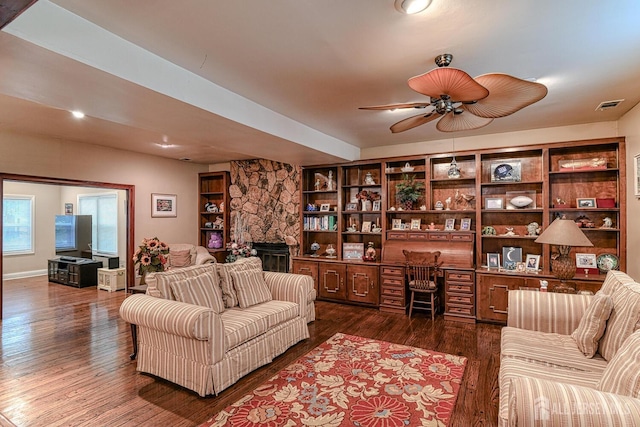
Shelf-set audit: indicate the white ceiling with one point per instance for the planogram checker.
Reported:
(283, 79)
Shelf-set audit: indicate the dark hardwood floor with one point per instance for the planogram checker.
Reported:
(64, 355)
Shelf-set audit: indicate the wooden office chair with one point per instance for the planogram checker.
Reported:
(422, 271)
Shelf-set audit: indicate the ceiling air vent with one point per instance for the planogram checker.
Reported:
(607, 105)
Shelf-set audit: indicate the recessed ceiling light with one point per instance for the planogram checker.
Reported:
(411, 7)
(77, 114)
(164, 145)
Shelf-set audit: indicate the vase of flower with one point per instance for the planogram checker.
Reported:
(151, 256)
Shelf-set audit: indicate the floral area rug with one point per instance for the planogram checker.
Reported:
(354, 381)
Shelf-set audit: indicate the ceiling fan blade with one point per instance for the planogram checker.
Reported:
(397, 106)
(455, 83)
(507, 94)
(413, 122)
(451, 122)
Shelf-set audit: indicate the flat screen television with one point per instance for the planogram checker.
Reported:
(73, 236)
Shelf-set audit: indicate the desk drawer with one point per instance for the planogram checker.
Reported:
(460, 299)
(438, 236)
(392, 302)
(392, 271)
(461, 310)
(462, 237)
(396, 235)
(418, 236)
(392, 291)
(397, 282)
(459, 276)
(466, 288)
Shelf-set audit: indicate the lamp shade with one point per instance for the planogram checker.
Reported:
(564, 232)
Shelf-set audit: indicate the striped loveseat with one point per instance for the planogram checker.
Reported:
(204, 327)
(572, 360)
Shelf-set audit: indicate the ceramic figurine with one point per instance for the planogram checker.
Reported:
(533, 229)
(448, 203)
(509, 232)
(370, 254)
(607, 223)
(368, 179)
(330, 181)
(439, 205)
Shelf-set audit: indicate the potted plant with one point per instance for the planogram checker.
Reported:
(408, 191)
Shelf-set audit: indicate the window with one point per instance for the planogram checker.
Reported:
(104, 210)
(17, 224)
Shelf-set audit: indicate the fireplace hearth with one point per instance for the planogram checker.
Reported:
(274, 256)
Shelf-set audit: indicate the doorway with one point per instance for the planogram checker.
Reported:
(129, 191)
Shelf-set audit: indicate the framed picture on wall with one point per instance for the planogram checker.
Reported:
(164, 205)
(68, 208)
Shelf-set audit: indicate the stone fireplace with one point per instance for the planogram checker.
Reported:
(267, 196)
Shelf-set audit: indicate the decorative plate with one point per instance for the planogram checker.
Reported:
(607, 262)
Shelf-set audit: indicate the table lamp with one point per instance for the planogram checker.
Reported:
(563, 233)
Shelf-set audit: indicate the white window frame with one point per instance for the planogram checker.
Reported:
(98, 195)
(31, 198)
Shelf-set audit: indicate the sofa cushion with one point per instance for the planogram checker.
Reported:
(623, 320)
(199, 290)
(161, 282)
(613, 281)
(512, 368)
(226, 281)
(592, 324)
(180, 259)
(242, 325)
(548, 349)
(622, 375)
(250, 287)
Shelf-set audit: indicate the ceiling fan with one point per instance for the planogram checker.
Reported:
(462, 102)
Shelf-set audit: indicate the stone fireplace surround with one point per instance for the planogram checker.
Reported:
(267, 196)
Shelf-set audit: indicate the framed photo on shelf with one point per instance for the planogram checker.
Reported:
(366, 226)
(352, 250)
(506, 171)
(377, 205)
(532, 263)
(396, 224)
(325, 207)
(164, 205)
(511, 256)
(415, 224)
(351, 207)
(493, 203)
(586, 261)
(493, 260)
(465, 224)
(449, 224)
(585, 203)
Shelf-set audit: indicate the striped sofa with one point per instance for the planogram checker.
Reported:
(193, 332)
(572, 360)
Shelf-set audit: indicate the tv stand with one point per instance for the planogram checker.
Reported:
(71, 271)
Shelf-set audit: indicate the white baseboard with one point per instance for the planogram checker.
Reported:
(23, 274)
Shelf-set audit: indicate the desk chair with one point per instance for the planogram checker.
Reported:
(422, 271)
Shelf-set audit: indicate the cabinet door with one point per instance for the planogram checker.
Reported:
(331, 280)
(493, 296)
(362, 284)
(308, 268)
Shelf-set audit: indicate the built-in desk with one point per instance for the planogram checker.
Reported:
(458, 275)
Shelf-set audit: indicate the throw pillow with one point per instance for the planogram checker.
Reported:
(250, 287)
(592, 324)
(623, 320)
(226, 282)
(199, 290)
(622, 374)
(180, 259)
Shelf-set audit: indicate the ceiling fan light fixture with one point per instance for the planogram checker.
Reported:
(411, 7)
